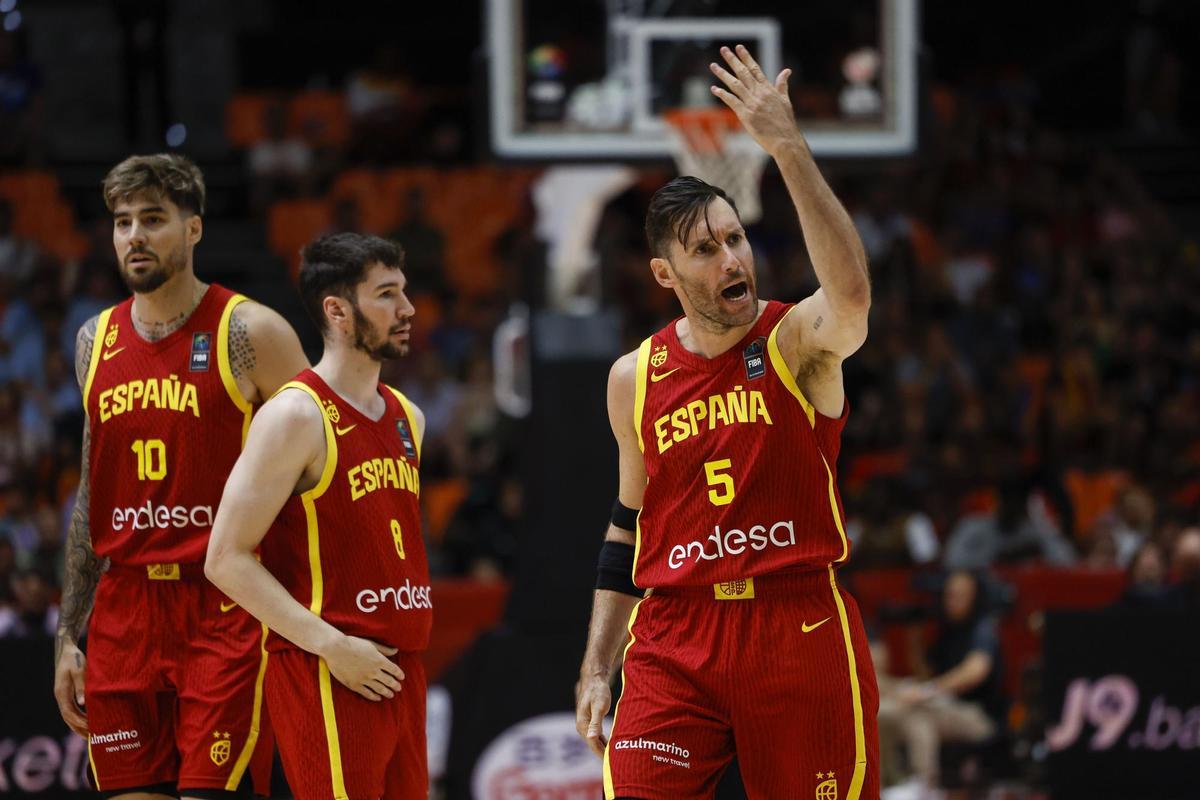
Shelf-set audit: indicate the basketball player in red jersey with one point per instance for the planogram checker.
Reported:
(329, 484)
(728, 424)
(173, 670)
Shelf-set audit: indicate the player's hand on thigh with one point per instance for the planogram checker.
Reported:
(68, 687)
(593, 696)
(363, 667)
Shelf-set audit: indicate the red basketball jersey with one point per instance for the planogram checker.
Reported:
(350, 548)
(166, 421)
(740, 466)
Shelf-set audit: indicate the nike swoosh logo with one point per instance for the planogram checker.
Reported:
(109, 354)
(226, 607)
(341, 431)
(806, 628)
(655, 377)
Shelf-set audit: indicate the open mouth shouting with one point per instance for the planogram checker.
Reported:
(736, 292)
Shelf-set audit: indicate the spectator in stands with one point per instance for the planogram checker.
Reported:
(20, 102)
(1101, 548)
(1147, 589)
(17, 525)
(1010, 533)
(957, 696)
(424, 245)
(386, 108)
(481, 539)
(47, 556)
(14, 457)
(432, 387)
(33, 615)
(1185, 571)
(280, 165)
(1133, 523)
(22, 348)
(97, 291)
(18, 256)
(8, 569)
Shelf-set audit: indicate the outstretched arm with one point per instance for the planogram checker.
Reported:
(834, 319)
(284, 448)
(611, 610)
(81, 574)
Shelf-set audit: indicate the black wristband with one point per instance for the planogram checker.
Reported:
(615, 570)
(624, 517)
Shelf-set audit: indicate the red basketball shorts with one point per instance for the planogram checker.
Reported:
(336, 744)
(174, 684)
(777, 672)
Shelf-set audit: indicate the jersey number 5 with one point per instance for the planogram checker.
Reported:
(718, 476)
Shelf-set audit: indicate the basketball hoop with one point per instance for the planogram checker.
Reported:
(710, 144)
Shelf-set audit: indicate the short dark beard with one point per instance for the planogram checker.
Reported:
(153, 279)
(712, 318)
(377, 351)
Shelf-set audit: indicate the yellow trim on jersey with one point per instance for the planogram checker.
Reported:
(410, 412)
(639, 405)
(308, 498)
(226, 369)
(331, 732)
(860, 741)
(833, 508)
(785, 373)
(92, 764)
(609, 791)
(243, 760)
(94, 361)
(639, 391)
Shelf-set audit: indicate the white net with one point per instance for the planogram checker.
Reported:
(710, 146)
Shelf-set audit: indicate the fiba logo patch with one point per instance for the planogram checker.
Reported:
(219, 752)
(332, 412)
(201, 351)
(827, 789)
(110, 338)
(659, 357)
(754, 358)
(406, 439)
(733, 587)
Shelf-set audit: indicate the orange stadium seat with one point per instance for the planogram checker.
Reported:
(441, 500)
(245, 119)
(26, 186)
(320, 117)
(291, 224)
(377, 209)
(1092, 494)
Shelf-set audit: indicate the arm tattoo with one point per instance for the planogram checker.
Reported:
(241, 350)
(817, 323)
(83, 567)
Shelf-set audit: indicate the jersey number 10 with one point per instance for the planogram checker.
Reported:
(151, 458)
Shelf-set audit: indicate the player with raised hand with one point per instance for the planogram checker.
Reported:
(728, 425)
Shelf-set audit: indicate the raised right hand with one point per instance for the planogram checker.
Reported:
(363, 667)
(68, 687)
(593, 696)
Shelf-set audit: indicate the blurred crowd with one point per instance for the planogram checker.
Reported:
(1029, 391)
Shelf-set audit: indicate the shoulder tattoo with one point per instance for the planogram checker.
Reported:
(241, 350)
